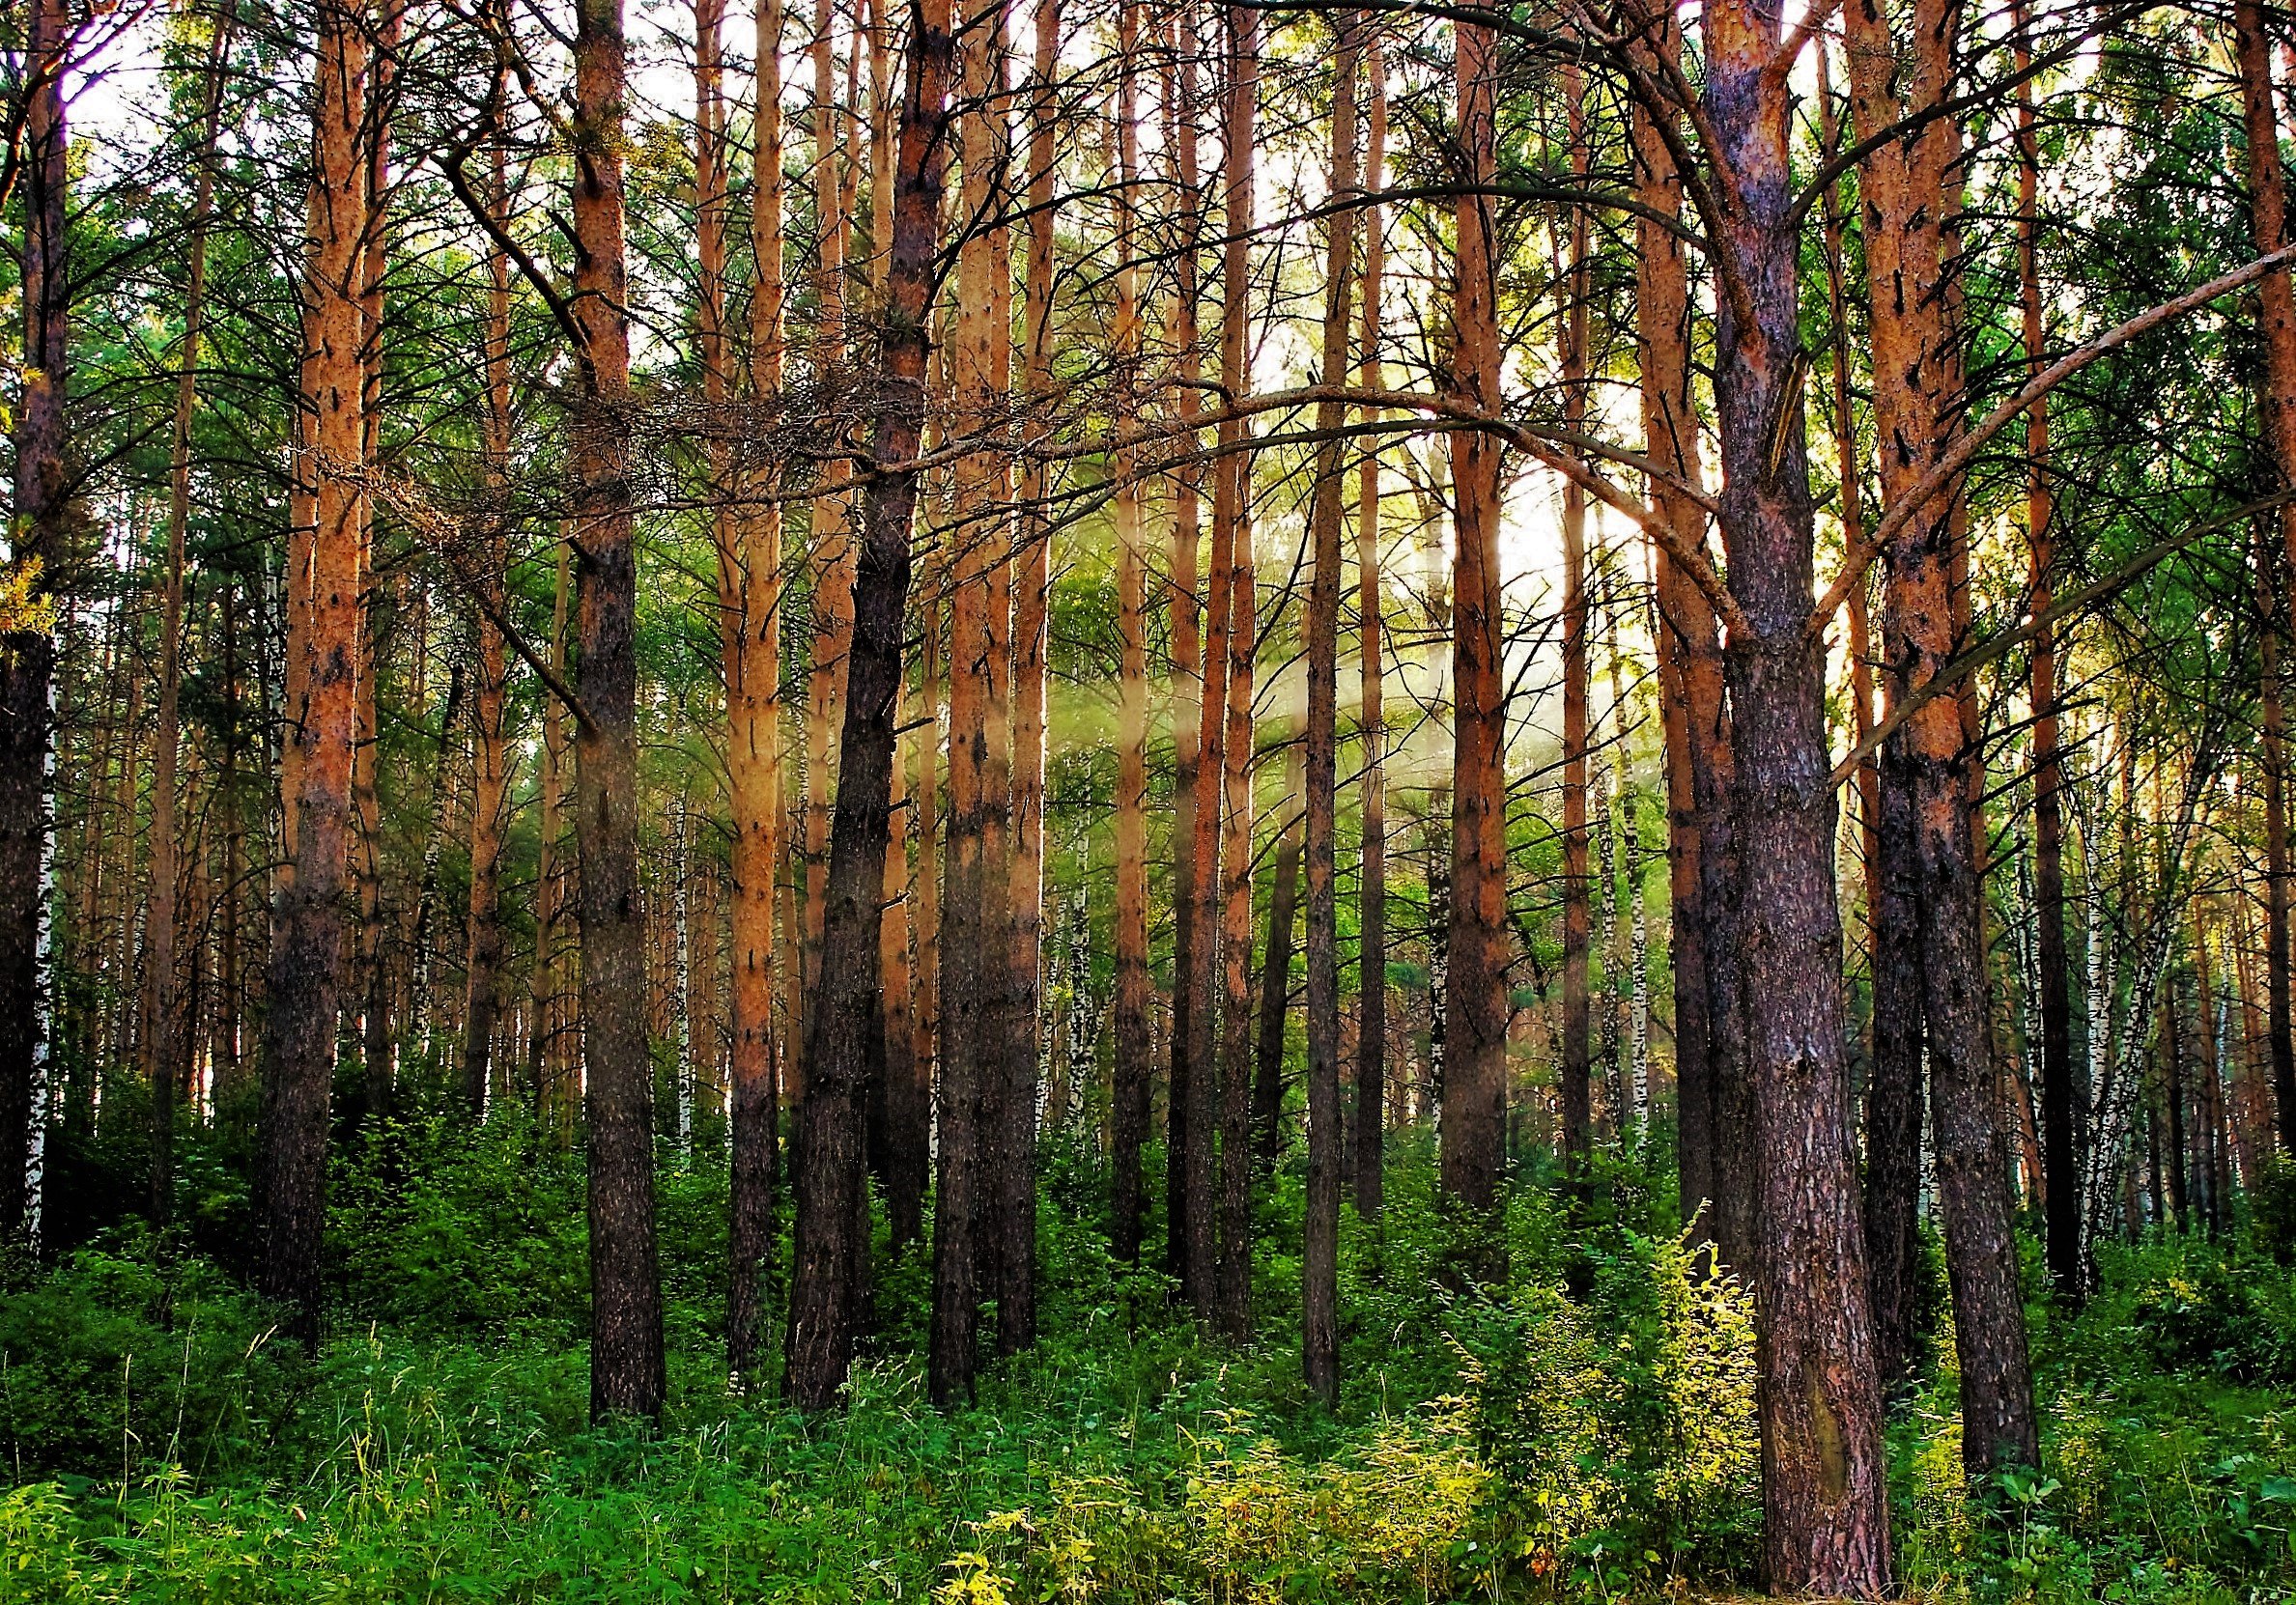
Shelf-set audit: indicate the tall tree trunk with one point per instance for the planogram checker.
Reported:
(2060, 1091)
(829, 546)
(301, 993)
(971, 1075)
(1475, 1026)
(1319, 1254)
(1233, 506)
(1906, 189)
(1825, 1495)
(490, 795)
(1128, 1104)
(1573, 1073)
(1032, 593)
(170, 1035)
(749, 593)
(1690, 673)
(379, 1047)
(44, 491)
(2268, 218)
(1371, 1043)
(626, 1357)
(845, 1022)
(1198, 681)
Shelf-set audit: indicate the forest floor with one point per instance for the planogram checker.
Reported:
(1583, 1433)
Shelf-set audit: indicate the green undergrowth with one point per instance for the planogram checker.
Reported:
(1582, 1429)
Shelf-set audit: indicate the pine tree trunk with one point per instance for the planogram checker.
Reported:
(1825, 1494)
(301, 993)
(846, 1025)
(1319, 1254)
(750, 591)
(1275, 962)
(971, 1074)
(489, 798)
(1128, 1106)
(1690, 659)
(1905, 187)
(1371, 1043)
(1199, 682)
(170, 1034)
(1231, 506)
(626, 1355)
(1475, 1027)
(2268, 219)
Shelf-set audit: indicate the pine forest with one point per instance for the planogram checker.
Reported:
(1153, 802)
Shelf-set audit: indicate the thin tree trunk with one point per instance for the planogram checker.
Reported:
(378, 1050)
(301, 993)
(1233, 506)
(1371, 1043)
(490, 795)
(1690, 675)
(1032, 593)
(1321, 1251)
(1199, 680)
(170, 1036)
(1275, 962)
(1475, 1026)
(44, 477)
(2060, 1159)
(1128, 1107)
(2268, 219)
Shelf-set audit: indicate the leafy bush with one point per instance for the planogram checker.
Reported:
(115, 1359)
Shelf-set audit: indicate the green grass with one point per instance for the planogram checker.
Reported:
(1583, 1433)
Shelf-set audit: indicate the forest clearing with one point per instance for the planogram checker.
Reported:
(1146, 801)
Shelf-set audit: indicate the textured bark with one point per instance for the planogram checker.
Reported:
(303, 989)
(1321, 1252)
(924, 893)
(43, 487)
(845, 1024)
(1231, 506)
(1371, 1049)
(1128, 1110)
(2273, 761)
(490, 795)
(971, 961)
(2061, 1157)
(377, 960)
(2277, 296)
(1013, 1240)
(1274, 1019)
(626, 1357)
(1198, 681)
(170, 1033)
(1905, 187)
(1689, 664)
(1032, 593)
(749, 609)
(1574, 1070)
(1475, 1025)
(1825, 1494)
